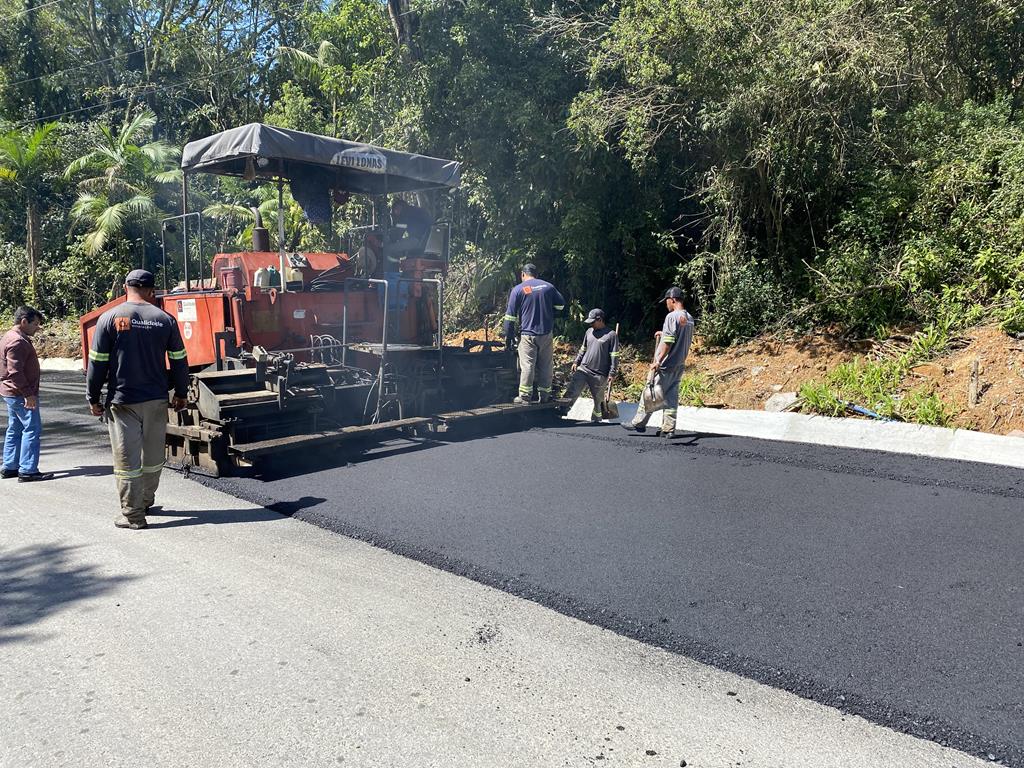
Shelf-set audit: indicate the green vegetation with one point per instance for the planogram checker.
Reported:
(791, 162)
(878, 385)
(694, 389)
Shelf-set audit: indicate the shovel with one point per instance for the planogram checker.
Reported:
(609, 408)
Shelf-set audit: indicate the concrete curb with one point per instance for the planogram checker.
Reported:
(60, 364)
(892, 436)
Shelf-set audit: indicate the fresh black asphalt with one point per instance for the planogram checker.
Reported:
(885, 585)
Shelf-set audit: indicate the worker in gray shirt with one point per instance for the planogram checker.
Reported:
(129, 349)
(595, 363)
(661, 393)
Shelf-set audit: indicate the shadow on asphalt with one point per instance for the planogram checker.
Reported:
(289, 465)
(209, 517)
(286, 466)
(91, 470)
(40, 580)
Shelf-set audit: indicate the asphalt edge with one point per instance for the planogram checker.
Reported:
(891, 436)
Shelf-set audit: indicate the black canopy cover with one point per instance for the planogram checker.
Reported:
(271, 152)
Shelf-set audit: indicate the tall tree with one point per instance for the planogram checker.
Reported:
(128, 175)
(27, 158)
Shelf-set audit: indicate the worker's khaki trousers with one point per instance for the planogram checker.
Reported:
(137, 433)
(592, 381)
(535, 365)
(660, 395)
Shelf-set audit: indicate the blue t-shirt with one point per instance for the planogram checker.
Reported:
(533, 303)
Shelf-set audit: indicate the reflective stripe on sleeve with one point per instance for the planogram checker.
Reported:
(511, 318)
(99, 357)
(177, 355)
(668, 339)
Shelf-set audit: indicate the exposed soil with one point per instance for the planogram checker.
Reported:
(747, 375)
(58, 339)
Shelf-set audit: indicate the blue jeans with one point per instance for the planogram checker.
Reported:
(24, 429)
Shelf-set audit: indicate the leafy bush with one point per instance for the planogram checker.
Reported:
(1012, 316)
(748, 301)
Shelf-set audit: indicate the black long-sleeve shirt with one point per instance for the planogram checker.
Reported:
(128, 353)
(599, 353)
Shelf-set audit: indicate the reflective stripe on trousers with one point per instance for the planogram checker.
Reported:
(596, 384)
(137, 434)
(663, 395)
(535, 364)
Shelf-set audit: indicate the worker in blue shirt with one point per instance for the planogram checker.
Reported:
(533, 304)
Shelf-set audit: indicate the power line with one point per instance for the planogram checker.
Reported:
(79, 66)
(35, 8)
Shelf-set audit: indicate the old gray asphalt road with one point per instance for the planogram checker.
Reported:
(883, 585)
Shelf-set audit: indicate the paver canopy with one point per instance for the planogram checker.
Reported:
(278, 153)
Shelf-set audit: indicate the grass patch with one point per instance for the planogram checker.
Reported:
(877, 385)
(694, 389)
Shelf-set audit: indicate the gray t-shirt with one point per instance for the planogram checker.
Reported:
(599, 353)
(677, 332)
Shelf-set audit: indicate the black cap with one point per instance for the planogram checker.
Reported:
(675, 292)
(529, 269)
(594, 314)
(140, 278)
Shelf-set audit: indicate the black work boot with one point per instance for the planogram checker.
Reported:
(34, 477)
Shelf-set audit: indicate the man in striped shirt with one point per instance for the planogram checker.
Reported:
(129, 349)
(662, 390)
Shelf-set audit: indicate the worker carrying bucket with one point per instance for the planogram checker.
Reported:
(661, 392)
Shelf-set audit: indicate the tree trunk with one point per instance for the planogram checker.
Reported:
(32, 248)
(403, 20)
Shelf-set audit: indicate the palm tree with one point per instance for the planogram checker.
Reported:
(126, 181)
(25, 161)
(233, 214)
(325, 69)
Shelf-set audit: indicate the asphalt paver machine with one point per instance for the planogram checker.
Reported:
(302, 351)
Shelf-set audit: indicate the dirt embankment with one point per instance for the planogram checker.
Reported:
(58, 338)
(747, 375)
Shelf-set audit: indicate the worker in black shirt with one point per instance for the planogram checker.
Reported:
(595, 363)
(412, 226)
(128, 354)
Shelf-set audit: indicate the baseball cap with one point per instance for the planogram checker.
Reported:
(140, 278)
(594, 314)
(529, 269)
(675, 292)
